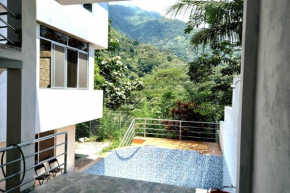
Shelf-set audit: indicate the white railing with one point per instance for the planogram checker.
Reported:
(171, 129)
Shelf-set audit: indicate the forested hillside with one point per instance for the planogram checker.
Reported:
(151, 28)
(142, 59)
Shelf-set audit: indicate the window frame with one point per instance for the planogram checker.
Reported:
(52, 74)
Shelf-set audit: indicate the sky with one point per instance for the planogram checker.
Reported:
(159, 6)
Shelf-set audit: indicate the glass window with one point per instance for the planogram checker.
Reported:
(83, 70)
(59, 66)
(72, 68)
(45, 64)
(88, 7)
(53, 35)
(77, 44)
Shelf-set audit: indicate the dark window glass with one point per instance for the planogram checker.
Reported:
(45, 64)
(77, 44)
(59, 66)
(72, 68)
(53, 35)
(88, 7)
(83, 70)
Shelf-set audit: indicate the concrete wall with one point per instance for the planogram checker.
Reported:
(271, 159)
(60, 108)
(71, 146)
(76, 21)
(229, 133)
(2, 184)
(3, 105)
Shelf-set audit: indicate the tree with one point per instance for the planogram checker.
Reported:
(222, 33)
(110, 75)
(222, 20)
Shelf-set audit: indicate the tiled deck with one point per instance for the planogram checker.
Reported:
(83, 183)
(203, 147)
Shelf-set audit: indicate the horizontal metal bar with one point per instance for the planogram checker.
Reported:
(3, 27)
(3, 13)
(33, 154)
(162, 130)
(198, 137)
(34, 141)
(153, 133)
(6, 40)
(42, 162)
(33, 179)
(200, 132)
(5, 22)
(199, 127)
(148, 119)
(6, 8)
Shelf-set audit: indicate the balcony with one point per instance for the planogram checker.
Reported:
(77, 105)
(76, 21)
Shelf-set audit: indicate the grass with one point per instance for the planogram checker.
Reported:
(114, 144)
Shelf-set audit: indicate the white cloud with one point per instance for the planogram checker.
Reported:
(159, 6)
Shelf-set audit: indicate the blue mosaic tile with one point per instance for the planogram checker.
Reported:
(168, 166)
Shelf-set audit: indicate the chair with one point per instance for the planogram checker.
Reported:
(42, 177)
(52, 164)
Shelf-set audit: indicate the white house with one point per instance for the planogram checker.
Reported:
(47, 70)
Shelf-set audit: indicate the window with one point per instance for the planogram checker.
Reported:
(88, 7)
(45, 64)
(63, 61)
(72, 67)
(83, 69)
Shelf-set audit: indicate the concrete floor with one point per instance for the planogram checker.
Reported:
(202, 147)
(85, 183)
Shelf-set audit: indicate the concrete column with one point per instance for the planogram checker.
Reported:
(271, 160)
(13, 124)
(15, 22)
(247, 95)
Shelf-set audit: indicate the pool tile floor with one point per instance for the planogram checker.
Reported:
(86, 183)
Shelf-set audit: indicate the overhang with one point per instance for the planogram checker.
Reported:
(73, 2)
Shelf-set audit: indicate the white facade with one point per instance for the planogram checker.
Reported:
(58, 108)
(229, 133)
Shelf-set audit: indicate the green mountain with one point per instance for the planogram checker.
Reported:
(151, 28)
(142, 59)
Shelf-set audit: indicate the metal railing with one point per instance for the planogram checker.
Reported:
(7, 25)
(171, 129)
(24, 157)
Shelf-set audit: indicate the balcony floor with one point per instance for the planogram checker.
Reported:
(80, 182)
(202, 147)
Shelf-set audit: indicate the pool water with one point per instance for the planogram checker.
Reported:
(161, 165)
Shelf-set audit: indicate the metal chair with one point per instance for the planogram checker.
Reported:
(55, 170)
(42, 177)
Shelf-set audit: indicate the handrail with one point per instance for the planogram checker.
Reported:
(28, 143)
(205, 131)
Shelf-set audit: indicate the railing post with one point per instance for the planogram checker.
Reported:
(144, 129)
(180, 130)
(217, 133)
(65, 155)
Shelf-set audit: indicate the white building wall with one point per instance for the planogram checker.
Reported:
(229, 133)
(3, 105)
(76, 21)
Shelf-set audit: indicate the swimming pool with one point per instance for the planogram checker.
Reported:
(168, 166)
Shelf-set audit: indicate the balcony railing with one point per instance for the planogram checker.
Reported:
(171, 129)
(32, 167)
(5, 24)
